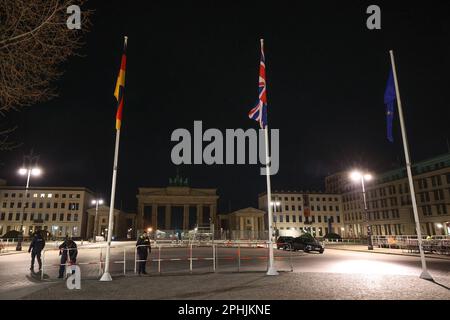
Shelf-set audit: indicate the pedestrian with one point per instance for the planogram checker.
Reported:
(68, 251)
(143, 248)
(36, 246)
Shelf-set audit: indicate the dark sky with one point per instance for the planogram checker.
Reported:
(198, 60)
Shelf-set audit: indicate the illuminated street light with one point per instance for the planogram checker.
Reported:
(29, 168)
(149, 230)
(357, 176)
(275, 204)
(96, 202)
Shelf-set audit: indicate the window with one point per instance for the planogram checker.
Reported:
(13, 195)
(300, 218)
(11, 205)
(46, 216)
(70, 196)
(6, 195)
(25, 217)
(318, 208)
(19, 204)
(335, 199)
(39, 216)
(63, 205)
(69, 218)
(299, 208)
(41, 205)
(287, 218)
(35, 195)
(54, 217)
(32, 217)
(48, 205)
(286, 207)
(313, 218)
(274, 218)
(42, 195)
(57, 195)
(63, 195)
(17, 216)
(325, 218)
(294, 219)
(286, 198)
(324, 208)
(281, 218)
(55, 205)
(292, 199)
(293, 208)
(319, 219)
(338, 219)
(337, 208)
(61, 216)
(4, 205)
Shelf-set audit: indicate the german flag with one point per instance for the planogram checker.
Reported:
(120, 86)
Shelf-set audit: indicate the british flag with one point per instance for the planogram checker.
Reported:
(259, 112)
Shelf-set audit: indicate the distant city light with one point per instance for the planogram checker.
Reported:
(36, 171)
(23, 171)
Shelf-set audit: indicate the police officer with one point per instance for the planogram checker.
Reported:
(36, 246)
(143, 248)
(67, 250)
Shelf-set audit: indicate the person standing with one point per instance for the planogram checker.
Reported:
(36, 247)
(143, 248)
(68, 251)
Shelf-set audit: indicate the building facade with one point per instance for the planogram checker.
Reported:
(124, 224)
(389, 201)
(176, 208)
(245, 223)
(60, 210)
(295, 213)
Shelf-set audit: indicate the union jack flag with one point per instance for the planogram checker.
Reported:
(259, 112)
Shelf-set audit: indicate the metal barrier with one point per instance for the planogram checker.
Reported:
(99, 262)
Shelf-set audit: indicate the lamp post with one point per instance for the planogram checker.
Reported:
(361, 177)
(96, 202)
(275, 204)
(28, 171)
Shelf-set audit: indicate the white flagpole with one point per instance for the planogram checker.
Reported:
(424, 274)
(271, 270)
(106, 275)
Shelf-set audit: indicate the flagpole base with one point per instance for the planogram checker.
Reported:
(272, 272)
(106, 277)
(426, 276)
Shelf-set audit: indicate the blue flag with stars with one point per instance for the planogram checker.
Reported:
(389, 100)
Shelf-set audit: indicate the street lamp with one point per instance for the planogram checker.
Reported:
(29, 170)
(96, 202)
(357, 176)
(275, 204)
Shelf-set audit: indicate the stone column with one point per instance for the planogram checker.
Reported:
(241, 226)
(155, 216)
(168, 214)
(199, 214)
(213, 213)
(140, 217)
(186, 217)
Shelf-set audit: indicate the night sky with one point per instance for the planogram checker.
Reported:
(326, 75)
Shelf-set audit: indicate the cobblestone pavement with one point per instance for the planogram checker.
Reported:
(242, 286)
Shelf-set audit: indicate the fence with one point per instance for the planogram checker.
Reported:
(410, 243)
(167, 258)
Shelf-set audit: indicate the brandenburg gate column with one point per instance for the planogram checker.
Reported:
(140, 218)
(199, 214)
(168, 214)
(155, 217)
(186, 217)
(212, 214)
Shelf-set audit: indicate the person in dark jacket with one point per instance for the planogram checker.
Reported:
(36, 247)
(68, 252)
(143, 248)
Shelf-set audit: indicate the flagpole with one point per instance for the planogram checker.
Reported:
(271, 270)
(106, 275)
(425, 274)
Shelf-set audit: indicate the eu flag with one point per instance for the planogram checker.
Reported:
(389, 100)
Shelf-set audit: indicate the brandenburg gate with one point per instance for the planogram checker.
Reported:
(176, 207)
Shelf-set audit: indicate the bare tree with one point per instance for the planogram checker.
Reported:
(34, 42)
